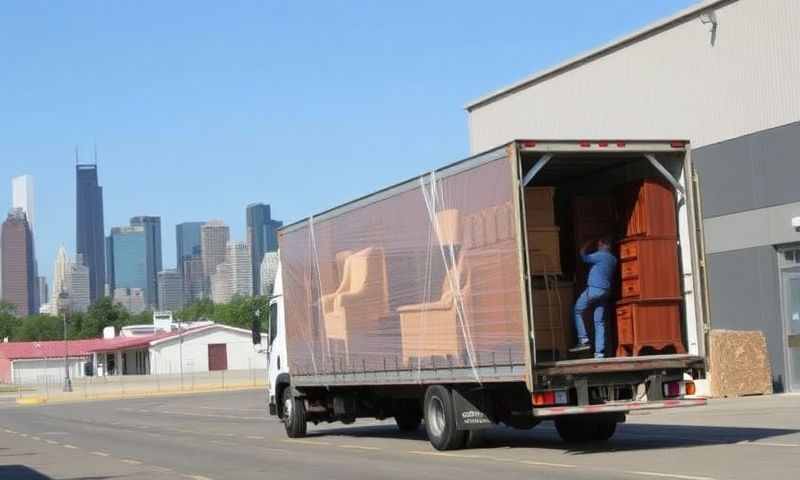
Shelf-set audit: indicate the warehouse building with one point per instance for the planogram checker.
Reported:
(724, 75)
(204, 348)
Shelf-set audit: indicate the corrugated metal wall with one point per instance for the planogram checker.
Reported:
(674, 84)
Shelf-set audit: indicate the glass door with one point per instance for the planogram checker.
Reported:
(791, 286)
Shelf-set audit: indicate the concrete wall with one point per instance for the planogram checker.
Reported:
(45, 371)
(165, 357)
(672, 83)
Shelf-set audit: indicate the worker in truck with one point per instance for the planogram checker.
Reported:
(596, 296)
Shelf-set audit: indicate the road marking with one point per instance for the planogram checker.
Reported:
(255, 437)
(51, 442)
(73, 447)
(196, 477)
(768, 444)
(101, 454)
(442, 454)
(130, 462)
(546, 464)
(670, 475)
(9, 431)
(306, 442)
(36, 438)
(360, 447)
(277, 450)
(23, 434)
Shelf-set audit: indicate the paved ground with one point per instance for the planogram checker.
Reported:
(226, 436)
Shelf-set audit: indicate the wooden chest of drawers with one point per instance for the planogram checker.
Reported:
(648, 208)
(649, 268)
(653, 324)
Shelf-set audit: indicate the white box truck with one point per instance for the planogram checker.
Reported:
(444, 300)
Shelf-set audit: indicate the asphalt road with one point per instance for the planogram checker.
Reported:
(227, 436)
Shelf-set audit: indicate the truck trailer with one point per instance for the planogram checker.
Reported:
(447, 299)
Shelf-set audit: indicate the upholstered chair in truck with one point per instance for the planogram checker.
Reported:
(360, 302)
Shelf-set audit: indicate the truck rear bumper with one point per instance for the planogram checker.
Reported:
(618, 407)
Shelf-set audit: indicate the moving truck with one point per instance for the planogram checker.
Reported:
(447, 299)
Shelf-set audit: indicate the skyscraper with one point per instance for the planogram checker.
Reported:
(170, 290)
(78, 285)
(60, 271)
(214, 237)
(262, 237)
(193, 279)
(269, 268)
(152, 233)
(187, 239)
(89, 227)
(22, 197)
(127, 258)
(42, 291)
(19, 274)
(237, 254)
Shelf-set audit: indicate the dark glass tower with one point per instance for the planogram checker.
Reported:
(152, 234)
(89, 227)
(262, 237)
(17, 260)
(187, 238)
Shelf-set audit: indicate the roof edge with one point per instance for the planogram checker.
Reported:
(652, 29)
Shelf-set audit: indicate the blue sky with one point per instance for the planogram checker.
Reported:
(199, 108)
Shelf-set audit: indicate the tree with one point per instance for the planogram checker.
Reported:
(9, 321)
(101, 314)
(39, 328)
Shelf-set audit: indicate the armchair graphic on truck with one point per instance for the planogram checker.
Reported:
(360, 300)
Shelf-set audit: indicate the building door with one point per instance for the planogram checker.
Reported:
(217, 356)
(790, 282)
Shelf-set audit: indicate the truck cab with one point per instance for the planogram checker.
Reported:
(277, 364)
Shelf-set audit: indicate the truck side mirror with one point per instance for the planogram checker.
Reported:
(255, 328)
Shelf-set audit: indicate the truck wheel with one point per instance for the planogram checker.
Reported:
(294, 415)
(408, 420)
(440, 420)
(604, 429)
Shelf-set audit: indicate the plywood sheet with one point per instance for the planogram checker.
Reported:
(739, 363)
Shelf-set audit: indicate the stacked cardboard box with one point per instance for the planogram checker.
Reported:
(543, 234)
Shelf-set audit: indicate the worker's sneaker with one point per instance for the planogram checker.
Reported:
(581, 347)
(599, 355)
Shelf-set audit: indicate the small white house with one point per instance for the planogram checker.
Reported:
(210, 348)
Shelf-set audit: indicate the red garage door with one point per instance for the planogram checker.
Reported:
(217, 356)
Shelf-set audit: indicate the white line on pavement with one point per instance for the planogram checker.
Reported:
(670, 475)
(306, 442)
(546, 464)
(100, 454)
(196, 477)
(51, 442)
(360, 447)
(255, 437)
(130, 462)
(768, 444)
(73, 447)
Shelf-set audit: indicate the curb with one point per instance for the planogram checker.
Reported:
(30, 401)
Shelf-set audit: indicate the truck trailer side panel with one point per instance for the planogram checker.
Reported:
(419, 282)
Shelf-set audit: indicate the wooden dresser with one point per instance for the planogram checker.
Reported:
(648, 316)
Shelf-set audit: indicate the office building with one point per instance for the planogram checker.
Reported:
(19, 277)
(22, 197)
(127, 258)
(42, 291)
(214, 236)
(77, 279)
(237, 255)
(193, 279)
(131, 299)
(152, 232)
(59, 272)
(262, 237)
(170, 290)
(268, 270)
(723, 76)
(187, 241)
(89, 227)
(220, 284)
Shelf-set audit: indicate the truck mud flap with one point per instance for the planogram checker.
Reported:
(473, 409)
(618, 407)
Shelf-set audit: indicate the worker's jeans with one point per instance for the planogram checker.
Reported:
(597, 299)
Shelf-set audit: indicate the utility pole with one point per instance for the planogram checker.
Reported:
(65, 308)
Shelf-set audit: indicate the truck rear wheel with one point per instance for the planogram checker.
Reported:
(440, 420)
(294, 415)
(586, 428)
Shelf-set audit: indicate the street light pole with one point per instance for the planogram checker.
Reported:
(67, 381)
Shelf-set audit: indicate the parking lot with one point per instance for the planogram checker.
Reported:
(228, 436)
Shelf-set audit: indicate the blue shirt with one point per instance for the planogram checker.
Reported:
(603, 263)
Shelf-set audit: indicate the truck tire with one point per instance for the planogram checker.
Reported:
(294, 415)
(408, 420)
(585, 428)
(440, 420)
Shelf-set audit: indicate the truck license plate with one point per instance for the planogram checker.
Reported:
(561, 397)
